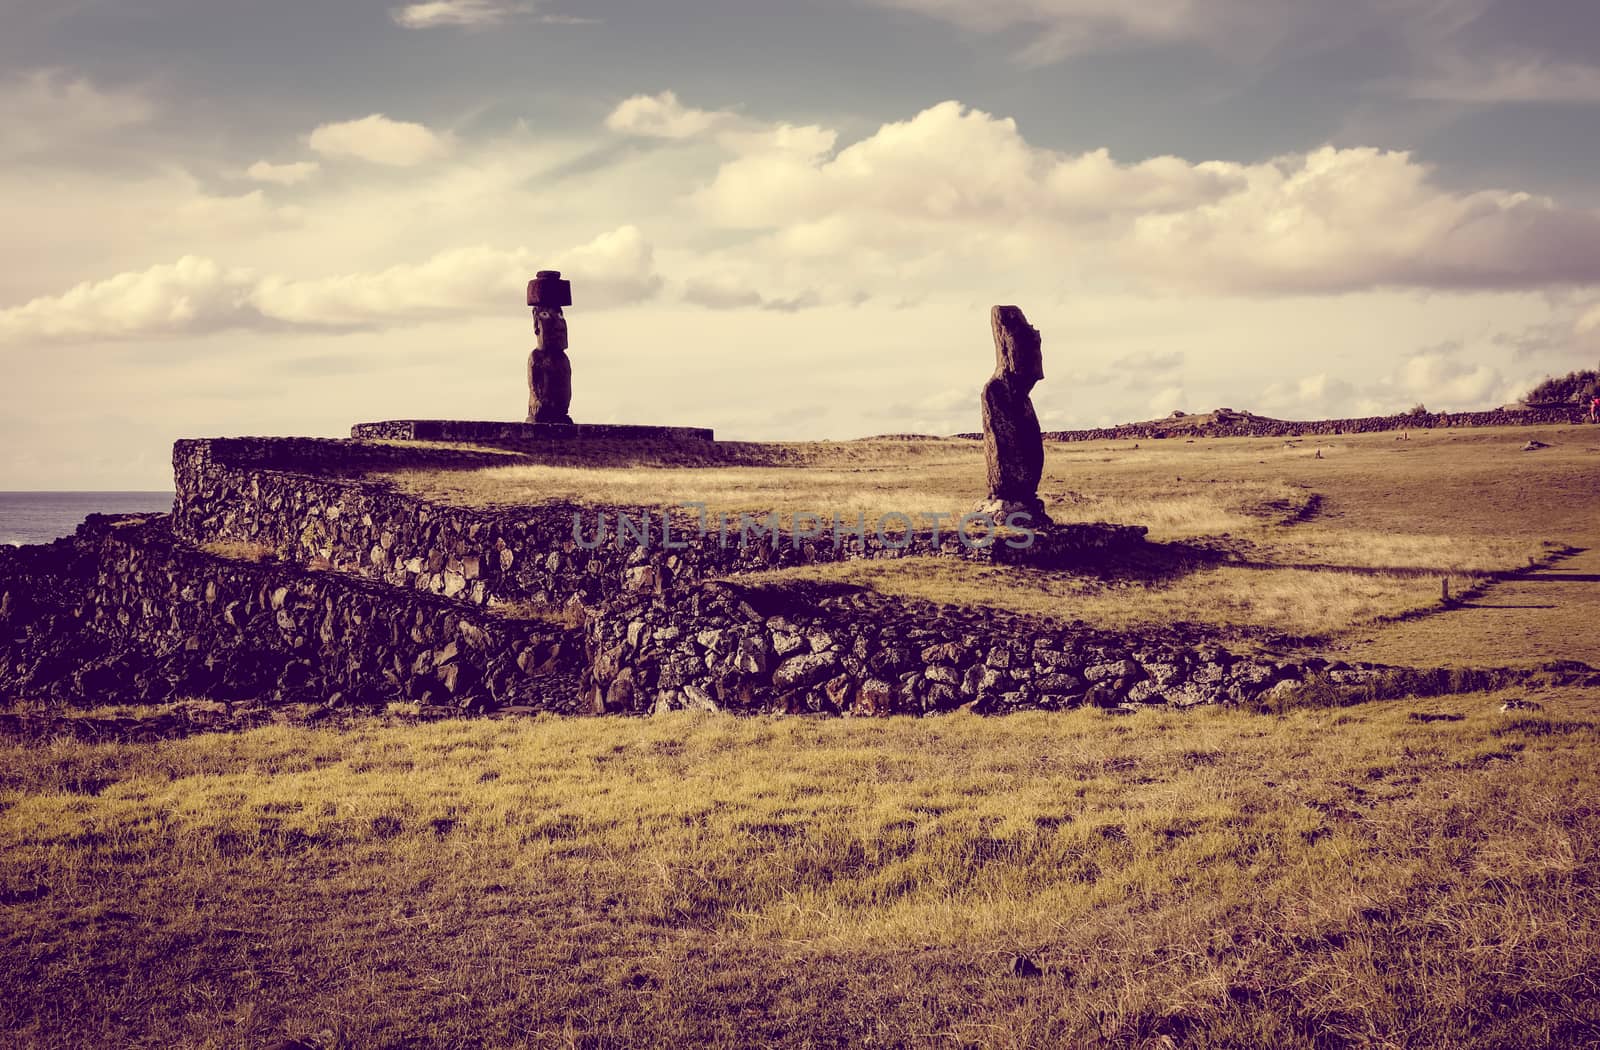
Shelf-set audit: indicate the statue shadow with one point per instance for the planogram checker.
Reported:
(1150, 563)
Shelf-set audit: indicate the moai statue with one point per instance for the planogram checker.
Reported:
(1012, 444)
(549, 371)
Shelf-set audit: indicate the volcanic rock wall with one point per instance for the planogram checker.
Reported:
(842, 650)
(366, 595)
(126, 614)
(1243, 425)
(262, 491)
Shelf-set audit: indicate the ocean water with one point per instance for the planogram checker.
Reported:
(39, 517)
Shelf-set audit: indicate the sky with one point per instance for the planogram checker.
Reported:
(783, 220)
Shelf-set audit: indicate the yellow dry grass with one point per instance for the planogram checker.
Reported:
(1208, 879)
(240, 550)
(1290, 601)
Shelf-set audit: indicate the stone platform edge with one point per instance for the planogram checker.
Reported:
(488, 431)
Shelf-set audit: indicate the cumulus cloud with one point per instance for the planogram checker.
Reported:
(1339, 220)
(197, 295)
(379, 140)
(662, 116)
(614, 269)
(1319, 394)
(1331, 220)
(461, 13)
(191, 296)
(291, 174)
(472, 14)
(1444, 381)
(48, 109)
(921, 170)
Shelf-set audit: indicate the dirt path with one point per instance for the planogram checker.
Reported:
(1552, 614)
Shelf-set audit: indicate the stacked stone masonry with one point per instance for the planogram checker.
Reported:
(284, 575)
(262, 492)
(1243, 425)
(818, 648)
(121, 613)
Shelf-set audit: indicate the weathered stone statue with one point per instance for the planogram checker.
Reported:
(549, 370)
(1012, 443)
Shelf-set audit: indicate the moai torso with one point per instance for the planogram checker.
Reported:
(549, 369)
(1013, 446)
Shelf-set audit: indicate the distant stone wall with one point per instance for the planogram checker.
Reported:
(258, 491)
(518, 433)
(122, 613)
(1246, 426)
(843, 650)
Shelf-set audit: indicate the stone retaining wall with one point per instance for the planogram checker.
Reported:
(843, 650)
(256, 492)
(520, 433)
(128, 615)
(1249, 426)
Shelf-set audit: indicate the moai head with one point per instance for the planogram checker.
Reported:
(547, 294)
(1017, 348)
(550, 325)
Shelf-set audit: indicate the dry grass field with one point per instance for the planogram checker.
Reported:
(1415, 873)
(1388, 875)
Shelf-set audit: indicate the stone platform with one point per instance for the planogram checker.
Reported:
(1065, 546)
(517, 433)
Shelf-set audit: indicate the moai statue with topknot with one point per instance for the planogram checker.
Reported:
(549, 370)
(1012, 444)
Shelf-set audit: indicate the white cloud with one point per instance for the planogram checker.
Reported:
(662, 116)
(378, 139)
(614, 268)
(922, 170)
(1443, 381)
(459, 13)
(193, 295)
(1337, 220)
(197, 295)
(291, 174)
(1314, 395)
(48, 109)
(1331, 220)
(474, 14)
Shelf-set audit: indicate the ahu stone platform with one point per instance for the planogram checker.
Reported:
(493, 433)
(288, 573)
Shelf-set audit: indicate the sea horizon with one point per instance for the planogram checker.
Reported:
(32, 516)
